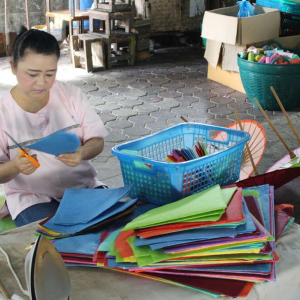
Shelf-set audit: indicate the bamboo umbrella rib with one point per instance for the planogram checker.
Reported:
(285, 114)
(257, 145)
(252, 145)
(291, 154)
(257, 151)
(257, 134)
(247, 147)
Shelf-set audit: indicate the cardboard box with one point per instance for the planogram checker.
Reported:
(223, 54)
(223, 25)
(228, 35)
(228, 78)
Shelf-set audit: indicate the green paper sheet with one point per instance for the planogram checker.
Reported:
(2, 200)
(227, 194)
(105, 245)
(220, 259)
(254, 193)
(195, 206)
(7, 223)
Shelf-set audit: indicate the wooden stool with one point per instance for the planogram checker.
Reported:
(112, 5)
(109, 19)
(93, 52)
(114, 40)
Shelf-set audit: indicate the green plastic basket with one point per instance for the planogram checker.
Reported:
(257, 78)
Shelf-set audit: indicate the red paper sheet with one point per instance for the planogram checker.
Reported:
(228, 287)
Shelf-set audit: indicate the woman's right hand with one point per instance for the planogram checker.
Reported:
(24, 165)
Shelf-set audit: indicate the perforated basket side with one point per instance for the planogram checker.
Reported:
(161, 182)
(257, 78)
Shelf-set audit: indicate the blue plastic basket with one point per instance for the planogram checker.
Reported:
(160, 182)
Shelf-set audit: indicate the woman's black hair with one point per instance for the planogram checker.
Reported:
(35, 40)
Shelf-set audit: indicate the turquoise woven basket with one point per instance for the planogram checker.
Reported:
(257, 78)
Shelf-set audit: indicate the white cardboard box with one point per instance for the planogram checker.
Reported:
(227, 34)
(223, 25)
(228, 78)
(222, 54)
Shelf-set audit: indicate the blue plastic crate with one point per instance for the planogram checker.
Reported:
(286, 6)
(160, 182)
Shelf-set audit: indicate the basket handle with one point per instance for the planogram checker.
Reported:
(213, 139)
(276, 43)
(280, 57)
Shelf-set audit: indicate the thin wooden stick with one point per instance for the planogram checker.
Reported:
(285, 114)
(247, 146)
(27, 14)
(3, 291)
(184, 119)
(7, 26)
(291, 154)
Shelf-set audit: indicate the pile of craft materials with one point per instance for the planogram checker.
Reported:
(220, 241)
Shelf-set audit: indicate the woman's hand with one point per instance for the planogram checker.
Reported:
(23, 164)
(88, 151)
(71, 159)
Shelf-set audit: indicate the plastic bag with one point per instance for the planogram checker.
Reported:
(246, 9)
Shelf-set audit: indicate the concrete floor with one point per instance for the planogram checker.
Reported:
(135, 101)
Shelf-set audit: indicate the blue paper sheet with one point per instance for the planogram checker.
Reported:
(73, 229)
(82, 205)
(57, 143)
(245, 268)
(265, 203)
(187, 236)
(85, 244)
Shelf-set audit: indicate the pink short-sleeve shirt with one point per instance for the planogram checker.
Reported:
(66, 109)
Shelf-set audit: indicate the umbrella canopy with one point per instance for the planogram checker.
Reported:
(256, 144)
(275, 178)
(287, 162)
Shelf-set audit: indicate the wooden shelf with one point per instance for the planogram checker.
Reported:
(71, 15)
(80, 15)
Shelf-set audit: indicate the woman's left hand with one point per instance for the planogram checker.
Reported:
(88, 151)
(71, 159)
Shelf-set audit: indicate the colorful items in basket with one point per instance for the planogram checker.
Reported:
(187, 154)
(269, 54)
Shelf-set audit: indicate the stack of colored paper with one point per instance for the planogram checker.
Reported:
(83, 210)
(219, 241)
